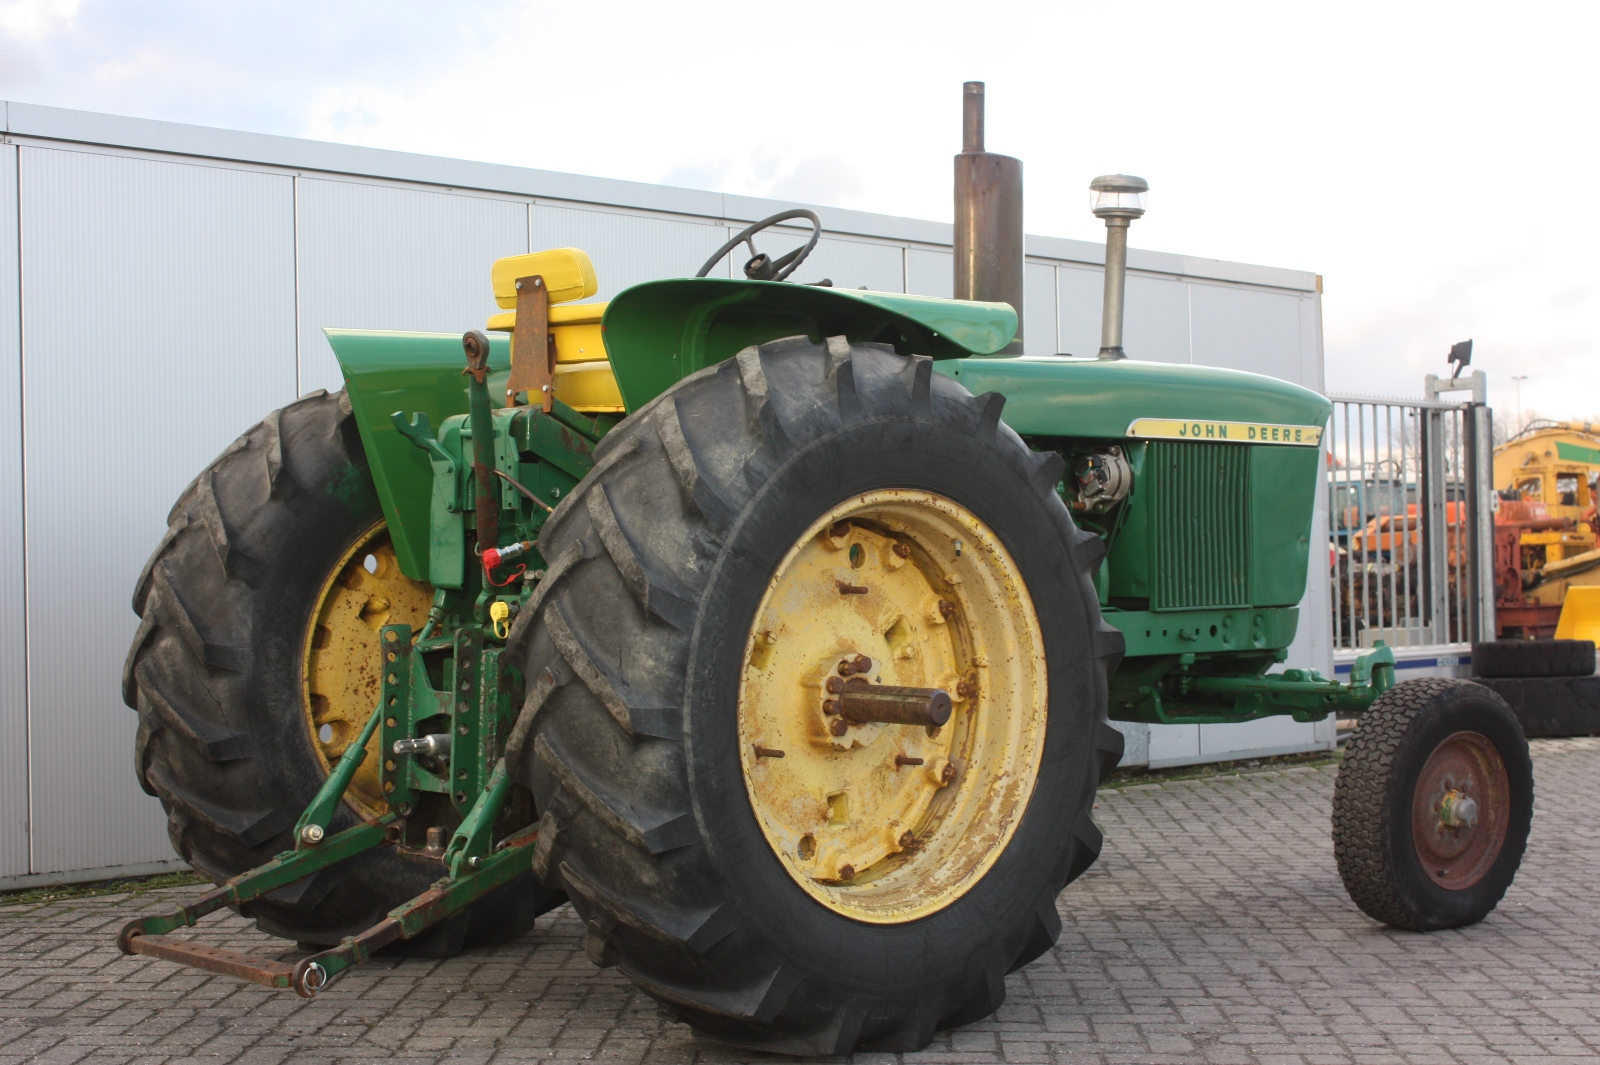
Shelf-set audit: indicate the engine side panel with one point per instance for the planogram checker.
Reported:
(1208, 552)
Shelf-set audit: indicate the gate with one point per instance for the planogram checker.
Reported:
(1410, 511)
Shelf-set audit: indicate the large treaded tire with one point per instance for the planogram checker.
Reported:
(1533, 658)
(215, 674)
(1372, 803)
(634, 646)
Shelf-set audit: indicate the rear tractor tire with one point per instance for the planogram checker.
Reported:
(768, 542)
(256, 661)
(1432, 805)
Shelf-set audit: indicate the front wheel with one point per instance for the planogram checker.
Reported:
(776, 543)
(1432, 805)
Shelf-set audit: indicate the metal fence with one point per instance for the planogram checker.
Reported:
(1409, 506)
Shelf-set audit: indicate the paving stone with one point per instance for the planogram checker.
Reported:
(1214, 929)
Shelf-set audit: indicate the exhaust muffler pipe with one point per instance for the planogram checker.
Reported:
(988, 218)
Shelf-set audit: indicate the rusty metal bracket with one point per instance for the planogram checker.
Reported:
(448, 896)
(481, 421)
(269, 972)
(147, 935)
(531, 358)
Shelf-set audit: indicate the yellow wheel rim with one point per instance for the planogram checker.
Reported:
(925, 590)
(341, 681)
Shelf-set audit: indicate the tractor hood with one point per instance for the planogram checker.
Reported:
(1060, 396)
(662, 331)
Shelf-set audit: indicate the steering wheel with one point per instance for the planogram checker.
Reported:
(760, 267)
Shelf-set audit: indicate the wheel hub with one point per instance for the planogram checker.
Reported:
(342, 661)
(892, 712)
(1460, 810)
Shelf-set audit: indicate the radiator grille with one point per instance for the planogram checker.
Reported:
(1200, 511)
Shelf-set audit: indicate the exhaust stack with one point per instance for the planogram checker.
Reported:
(988, 217)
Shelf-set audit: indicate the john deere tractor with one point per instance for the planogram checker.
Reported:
(773, 626)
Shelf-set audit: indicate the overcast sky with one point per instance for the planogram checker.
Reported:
(1433, 161)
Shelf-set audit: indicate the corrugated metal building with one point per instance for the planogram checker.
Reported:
(163, 286)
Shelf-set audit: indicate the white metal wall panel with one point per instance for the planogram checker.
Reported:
(1173, 745)
(775, 243)
(855, 264)
(1040, 320)
(13, 662)
(1315, 610)
(377, 257)
(158, 324)
(930, 273)
(1247, 329)
(1081, 289)
(628, 249)
(847, 263)
(1313, 642)
(1311, 368)
(1156, 324)
(1255, 739)
(1135, 742)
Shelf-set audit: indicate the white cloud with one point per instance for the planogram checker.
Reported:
(828, 178)
(29, 21)
(1428, 160)
(819, 179)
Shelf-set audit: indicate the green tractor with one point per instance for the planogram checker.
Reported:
(774, 626)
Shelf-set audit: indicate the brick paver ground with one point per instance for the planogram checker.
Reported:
(1214, 929)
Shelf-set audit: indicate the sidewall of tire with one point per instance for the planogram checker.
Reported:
(1533, 658)
(913, 958)
(659, 560)
(1467, 708)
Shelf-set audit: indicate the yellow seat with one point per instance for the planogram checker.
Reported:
(583, 377)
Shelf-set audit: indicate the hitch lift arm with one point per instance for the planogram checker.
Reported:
(472, 864)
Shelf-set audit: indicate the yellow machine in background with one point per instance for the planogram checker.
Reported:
(1551, 463)
(1546, 528)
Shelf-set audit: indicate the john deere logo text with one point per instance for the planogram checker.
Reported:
(1227, 432)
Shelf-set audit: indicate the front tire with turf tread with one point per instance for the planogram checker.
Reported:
(633, 645)
(215, 675)
(1374, 792)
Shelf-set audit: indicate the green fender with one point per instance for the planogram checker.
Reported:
(662, 331)
(656, 334)
(413, 373)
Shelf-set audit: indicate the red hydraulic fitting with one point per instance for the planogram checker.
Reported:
(495, 557)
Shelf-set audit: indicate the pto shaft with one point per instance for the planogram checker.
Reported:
(861, 702)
